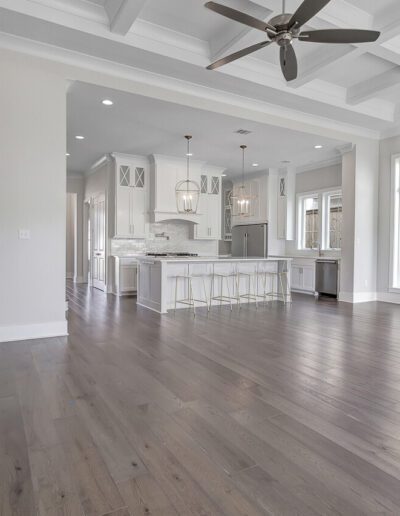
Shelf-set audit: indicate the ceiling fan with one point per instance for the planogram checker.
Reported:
(284, 28)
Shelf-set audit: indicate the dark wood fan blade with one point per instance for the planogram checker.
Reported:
(306, 11)
(240, 17)
(238, 55)
(288, 62)
(339, 36)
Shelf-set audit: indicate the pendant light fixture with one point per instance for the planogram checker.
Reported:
(187, 192)
(242, 199)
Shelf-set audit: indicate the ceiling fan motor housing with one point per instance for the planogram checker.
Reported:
(284, 36)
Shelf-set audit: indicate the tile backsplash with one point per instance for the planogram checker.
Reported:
(179, 241)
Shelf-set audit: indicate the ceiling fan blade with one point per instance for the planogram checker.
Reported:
(240, 17)
(339, 36)
(238, 55)
(306, 11)
(288, 62)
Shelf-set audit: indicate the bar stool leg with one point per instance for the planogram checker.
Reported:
(282, 290)
(191, 296)
(229, 292)
(176, 292)
(205, 293)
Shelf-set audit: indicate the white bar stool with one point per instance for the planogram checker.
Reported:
(226, 277)
(251, 277)
(281, 279)
(190, 300)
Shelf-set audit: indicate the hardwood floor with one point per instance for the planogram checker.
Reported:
(277, 411)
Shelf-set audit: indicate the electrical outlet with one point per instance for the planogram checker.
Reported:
(24, 234)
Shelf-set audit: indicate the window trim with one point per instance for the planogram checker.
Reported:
(323, 236)
(301, 222)
(326, 219)
(394, 224)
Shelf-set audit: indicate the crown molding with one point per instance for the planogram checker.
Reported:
(320, 164)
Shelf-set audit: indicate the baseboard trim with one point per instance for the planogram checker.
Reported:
(79, 279)
(357, 297)
(33, 331)
(389, 297)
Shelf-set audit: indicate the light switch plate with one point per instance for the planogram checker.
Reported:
(24, 234)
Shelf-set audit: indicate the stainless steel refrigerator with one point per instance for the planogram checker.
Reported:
(250, 241)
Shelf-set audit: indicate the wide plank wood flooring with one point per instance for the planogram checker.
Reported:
(278, 411)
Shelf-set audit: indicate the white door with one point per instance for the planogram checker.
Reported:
(99, 239)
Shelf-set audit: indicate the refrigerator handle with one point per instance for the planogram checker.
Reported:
(245, 244)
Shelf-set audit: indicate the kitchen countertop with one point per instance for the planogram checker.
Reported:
(216, 259)
(305, 257)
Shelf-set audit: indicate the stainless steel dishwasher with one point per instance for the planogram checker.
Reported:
(326, 277)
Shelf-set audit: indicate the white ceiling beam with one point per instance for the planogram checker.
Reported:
(370, 88)
(124, 15)
(236, 35)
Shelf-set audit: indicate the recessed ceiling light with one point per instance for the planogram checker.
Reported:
(107, 102)
(255, 165)
(223, 175)
(317, 146)
(189, 154)
(79, 137)
(68, 154)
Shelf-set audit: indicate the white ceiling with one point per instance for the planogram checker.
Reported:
(353, 85)
(141, 125)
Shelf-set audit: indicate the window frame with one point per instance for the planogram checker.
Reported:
(323, 218)
(301, 234)
(326, 219)
(394, 269)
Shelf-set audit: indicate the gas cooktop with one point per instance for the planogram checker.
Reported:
(177, 255)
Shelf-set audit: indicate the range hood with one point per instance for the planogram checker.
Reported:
(165, 172)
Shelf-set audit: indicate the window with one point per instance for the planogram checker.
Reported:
(309, 217)
(395, 226)
(320, 220)
(335, 220)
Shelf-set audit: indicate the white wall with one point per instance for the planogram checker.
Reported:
(319, 179)
(388, 147)
(32, 197)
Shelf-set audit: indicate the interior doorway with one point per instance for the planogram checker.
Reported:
(71, 237)
(97, 242)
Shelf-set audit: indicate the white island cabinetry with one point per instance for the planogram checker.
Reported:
(157, 278)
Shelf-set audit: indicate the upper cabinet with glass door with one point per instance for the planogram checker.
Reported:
(131, 178)
(210, 205)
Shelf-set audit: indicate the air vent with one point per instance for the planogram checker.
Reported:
(242, 131)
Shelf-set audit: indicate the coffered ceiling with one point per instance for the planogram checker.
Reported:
(354, 85)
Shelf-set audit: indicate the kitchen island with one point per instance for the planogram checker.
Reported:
(157, 278)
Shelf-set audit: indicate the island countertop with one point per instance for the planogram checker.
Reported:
(208, 259)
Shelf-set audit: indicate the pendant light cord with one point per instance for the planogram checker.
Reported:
(283, 6)
(243, 147)
(188, 138)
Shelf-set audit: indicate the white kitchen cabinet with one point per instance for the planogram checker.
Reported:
(131, 178)
(303, 275)
(209, 226)
(125, 275)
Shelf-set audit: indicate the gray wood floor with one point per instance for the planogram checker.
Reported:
(276, 411)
